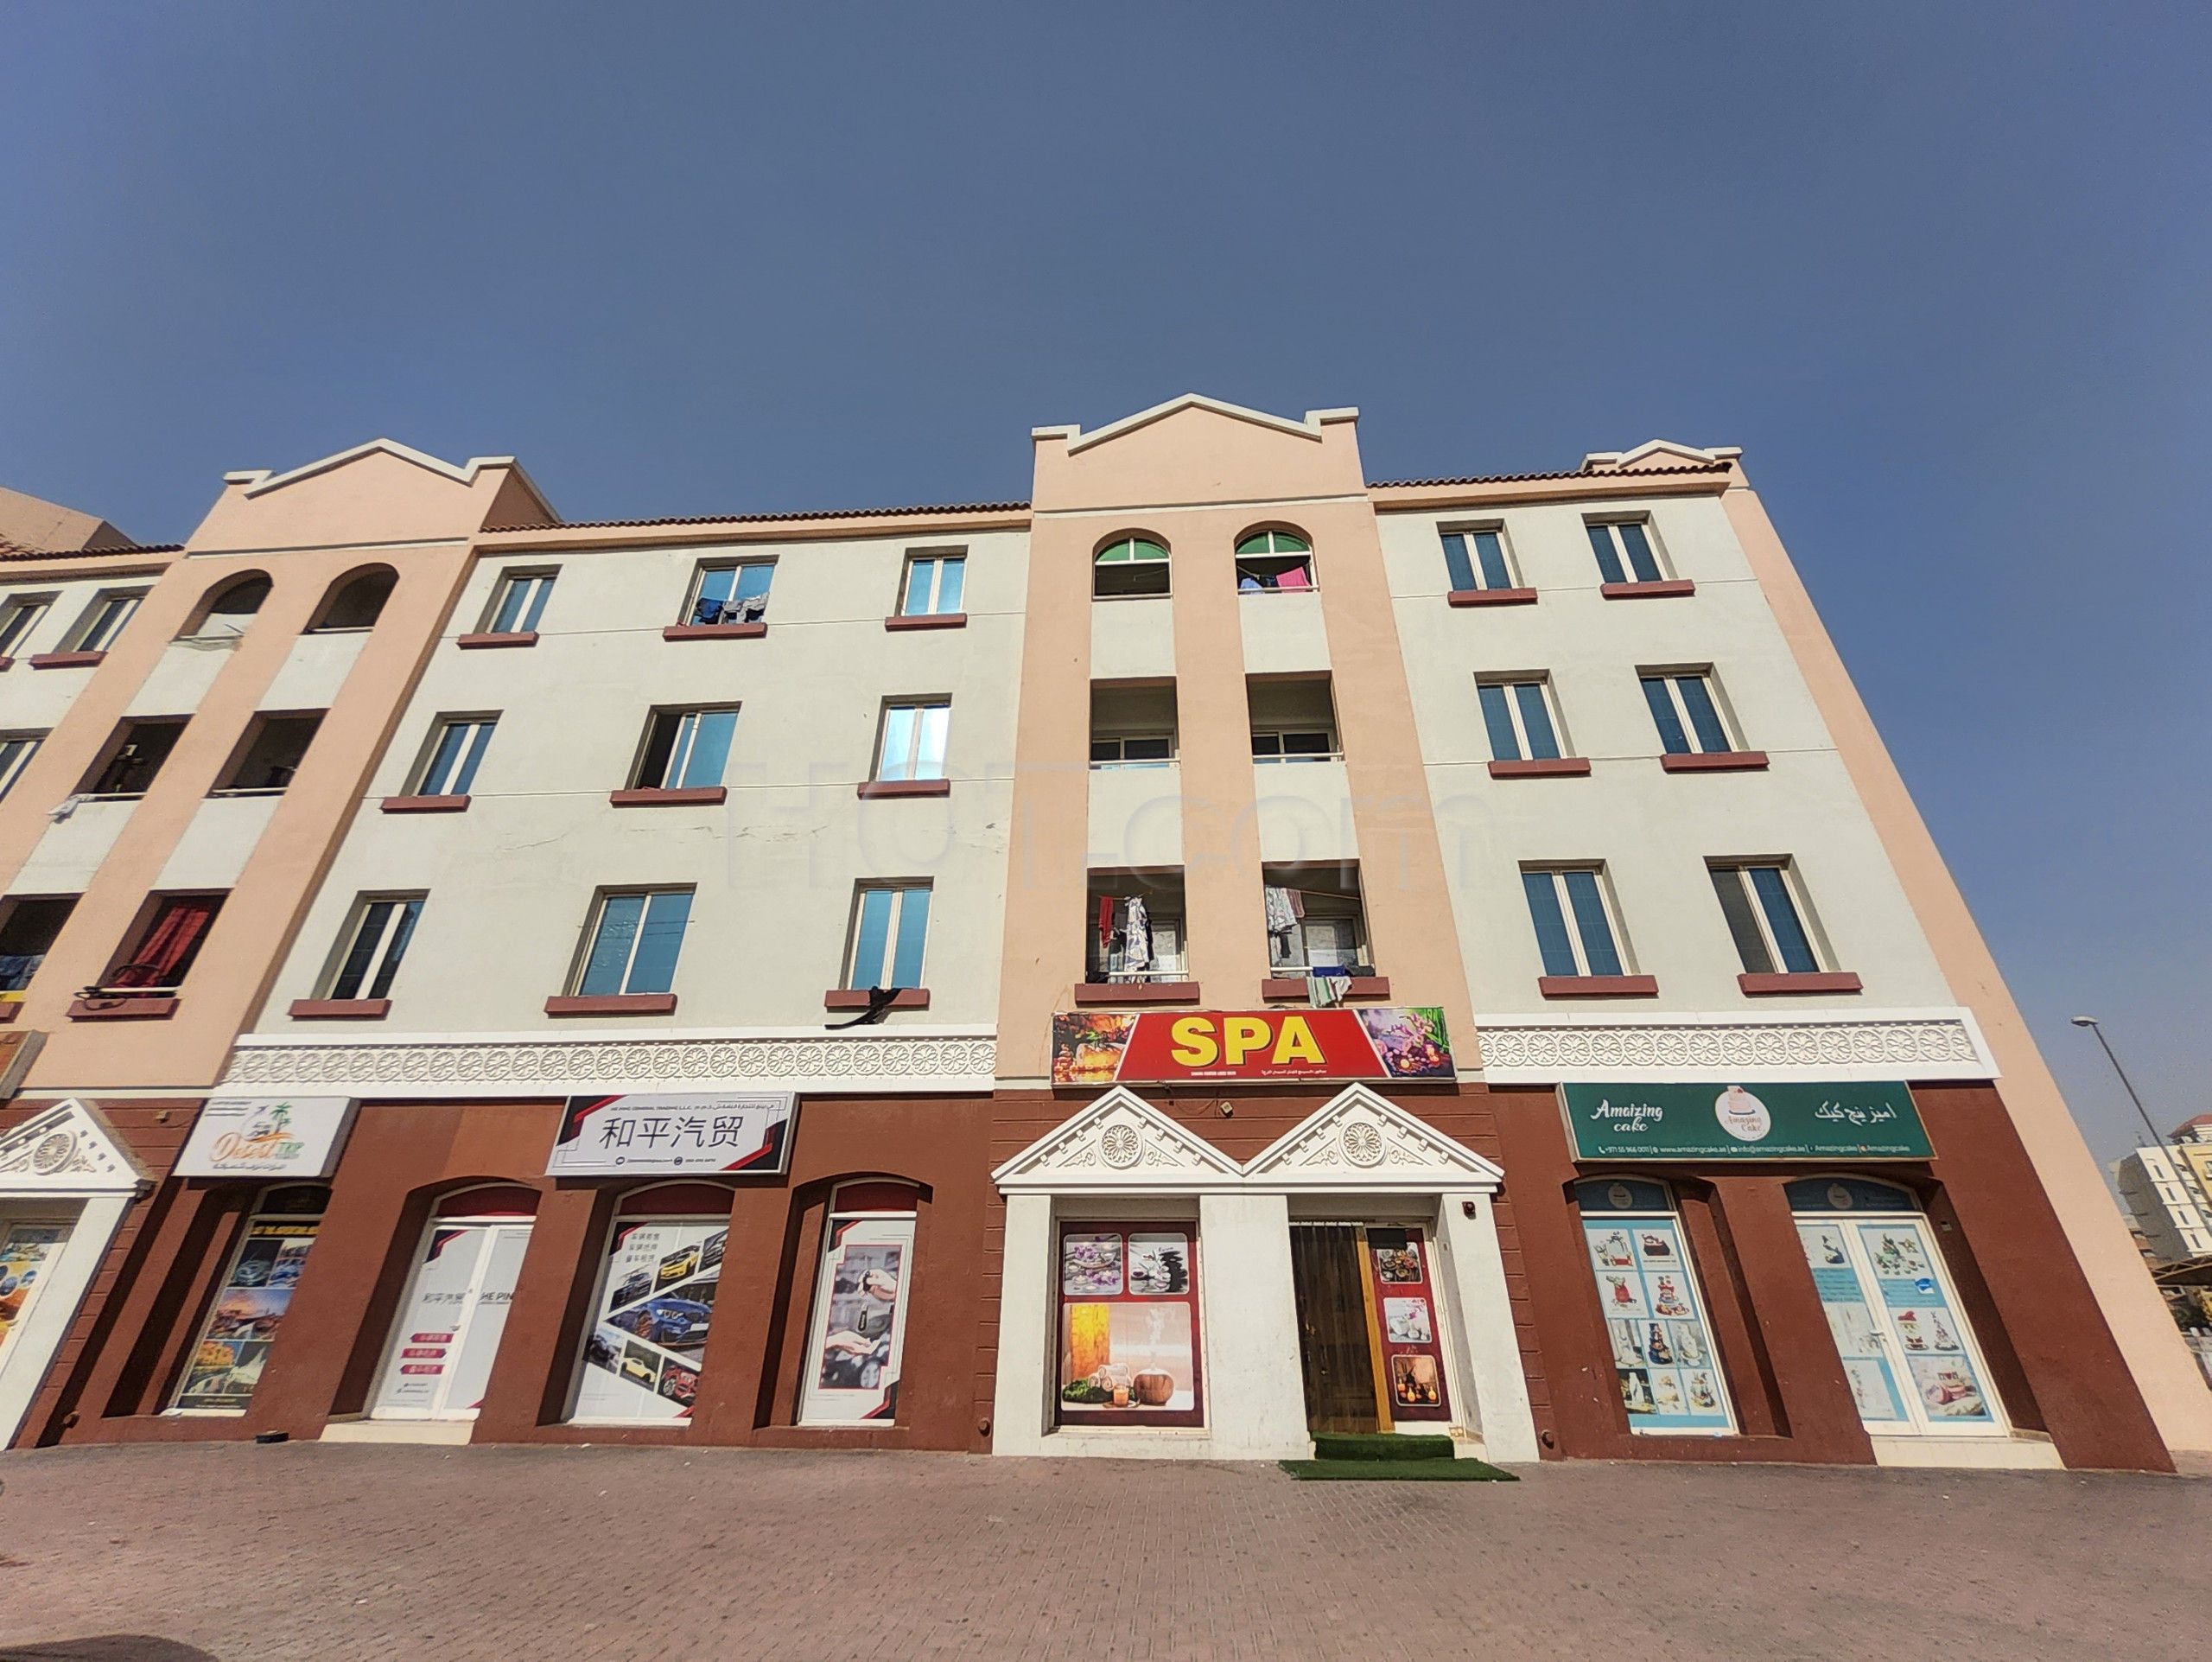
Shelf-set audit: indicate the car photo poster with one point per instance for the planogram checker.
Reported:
(226, 1365)
(656, 1300)
(612, 1137)
(860, 1321)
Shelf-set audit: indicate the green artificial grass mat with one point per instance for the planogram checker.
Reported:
(1346, 1445)
(1397, 1471)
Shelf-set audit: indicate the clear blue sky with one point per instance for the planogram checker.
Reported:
(1943, 273)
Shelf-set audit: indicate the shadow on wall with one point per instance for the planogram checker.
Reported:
(107, 1647)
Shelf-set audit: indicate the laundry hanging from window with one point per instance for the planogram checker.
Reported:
(1133, 943)
(171, 943)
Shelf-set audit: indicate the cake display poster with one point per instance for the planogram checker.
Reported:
(1125, 1047)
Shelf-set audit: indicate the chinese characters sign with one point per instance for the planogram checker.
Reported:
(1738, 1121)
(1105, 1048)
(609, 1135)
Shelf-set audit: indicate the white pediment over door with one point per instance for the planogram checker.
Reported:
(1358, 1140)
(66, 1150)
(1120, 1143)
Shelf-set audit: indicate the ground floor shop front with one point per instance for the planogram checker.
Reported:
(1153, 1271)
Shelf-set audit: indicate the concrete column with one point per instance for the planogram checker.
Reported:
(1255, 1392)
(1474, 1280)
(1019, 1419)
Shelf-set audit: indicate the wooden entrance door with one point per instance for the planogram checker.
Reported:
(1334, 1351)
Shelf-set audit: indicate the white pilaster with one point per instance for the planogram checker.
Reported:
(1021, 1404)
(1255, 1398)
(1475, 1272)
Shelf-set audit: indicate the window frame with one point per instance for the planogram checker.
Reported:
(256, 730)
(1508, 683)
(386, 951)
(1791, 886)
(1618, 556)
(1165, 736)
(1584, 964)
(936, 559)
(98, 624)
(470, 758)
(595, 923)
(120, 740)
(1280, 731)
(13, 761)
(1297, 552)
(1165, 560)
(1467, 532)
(8, 908)
(532, 612)
(141, 933)
(696, 595)
(19, 616)
(917, 736)
(1347, 911)
(894, 947)
(680, 754)
(1668, 680)
(1626, 1221)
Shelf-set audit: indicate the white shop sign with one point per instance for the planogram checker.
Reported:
(603, 1136)
(267, 1136)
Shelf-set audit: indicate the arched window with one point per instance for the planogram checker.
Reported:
(438, 1359)
(857, 1336)
(222, 1368)
(1128, 565)
(355, 600)
(1274, 561)
(1670, 1378)
(227, 610)
(641, 1360)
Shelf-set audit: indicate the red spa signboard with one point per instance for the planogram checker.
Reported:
(1219, 1046)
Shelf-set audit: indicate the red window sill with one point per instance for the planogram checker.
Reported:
(1357, 986)
(1598, 986)
(615, 1003)
(1492, 597)
(516, 637)
(1716, 762)
(714, 631)
(1088, 993)
(1543, 767)
(65, 660)
(6, 664)
(124, 1006)
(425, 803)
(869, 788)
(857, 998)
(658, 798)
(9, 1010)
(928, 621)
(1659, 590)
(339, 1009)
(1818, 980)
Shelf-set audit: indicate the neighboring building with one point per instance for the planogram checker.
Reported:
(1217, 951)
(2162, 1195)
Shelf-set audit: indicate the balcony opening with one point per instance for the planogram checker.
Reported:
(275, 747)
(134, 757)
(1315, 919)
(1134, 927)
(27, 934)
(1132, 724)
(1294, 718)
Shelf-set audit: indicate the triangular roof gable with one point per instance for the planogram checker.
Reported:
(1310, 428)
(68, 1149)
(1118, 1142)
(1360, 1140)
(260, 481)
(1657, 453)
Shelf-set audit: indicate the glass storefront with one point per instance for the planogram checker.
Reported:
(226, 1359)
(1128, 1325)
(856, 1341)
(656, 1302)
(440, 1356)
(1663, 1357)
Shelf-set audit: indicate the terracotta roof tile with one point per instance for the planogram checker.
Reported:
(1576, 473)
(17, 552)
(765, 519)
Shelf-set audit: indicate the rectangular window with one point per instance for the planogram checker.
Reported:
(27, 933)
(104, 620)
(1519, 716)
(456, 748)
(734, 592)
(1293, 719)
(685, 749)
(139, 749)
(170, 943)
(18, 618)
(891, 928)
(382, 924)
(856, 1341)
(272, 754)
(1134, 927)
(222, 1368)
(1133, 750)
(16, 750)
(1575, 925)
(934, 584)
(1476, 559)
(1128, 1325)
(519, 602)
(1132, 726)
(635, 938)
(913, 746)
(1294, 744)
(656, 1304)
(1314, 920)
(1669, 1376)
(1624, 551)
(1758, 900)
(1685, 708)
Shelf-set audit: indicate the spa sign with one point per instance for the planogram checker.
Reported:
(1123, 1047)
(1745, 1122)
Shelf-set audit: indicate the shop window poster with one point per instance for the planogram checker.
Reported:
(439, 1361)
(226, 1364)
(855, 1356)
(1128, 1327)
(1671, 1380)
(1405, 1313)
(1927, 1330)
(657, 1304)
(25, 1252)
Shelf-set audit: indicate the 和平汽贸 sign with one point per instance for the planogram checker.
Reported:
(705, 1132)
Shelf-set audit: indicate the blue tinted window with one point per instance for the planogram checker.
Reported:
(653, 969)
(1591, 922)
(1536, 721)
(914, 933)
(619, 917)
(1672, 739)
(1456, 561)
(1609, 560)
(1697, 700)
(1492, 556)
(1552, 939)
(1641, 561)
(1504, 743)
(1773, 890)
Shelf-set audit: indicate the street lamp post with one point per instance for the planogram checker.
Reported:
(2182, 1169)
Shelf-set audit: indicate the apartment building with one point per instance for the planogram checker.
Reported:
(2165, 1190)
(1218, 951)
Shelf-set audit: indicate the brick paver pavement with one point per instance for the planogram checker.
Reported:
(173, 1554)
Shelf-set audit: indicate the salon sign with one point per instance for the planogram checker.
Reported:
(1857, 1121)
(267, 1136)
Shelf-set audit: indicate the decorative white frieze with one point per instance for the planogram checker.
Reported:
(66, 1150)
(1358, 1140)
(514, 1065)
(1890, 1044)
(1119, 1143)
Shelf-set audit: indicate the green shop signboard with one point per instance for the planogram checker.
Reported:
(1745, 1122)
